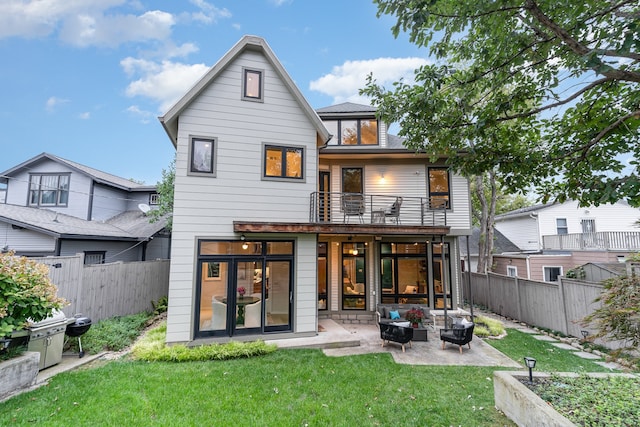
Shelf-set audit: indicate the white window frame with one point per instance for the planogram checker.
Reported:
(559, 227)
(512, 271)
(544, 272)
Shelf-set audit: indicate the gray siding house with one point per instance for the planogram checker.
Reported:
(284, 214)
(53, 206)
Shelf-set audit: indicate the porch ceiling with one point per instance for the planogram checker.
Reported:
(297, 227)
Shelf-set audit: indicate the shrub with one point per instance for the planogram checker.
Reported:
(26, 293)
(152, 348)
(487, 327)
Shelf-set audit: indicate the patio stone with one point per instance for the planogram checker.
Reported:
(564, 346)
(545, 338)
(586, 355)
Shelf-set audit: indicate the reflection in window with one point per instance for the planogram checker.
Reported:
(322, 276)
(439, 274)
(252, 88)
(439, 190)
(202, 160)
(354, 282)
(403, 273)
(283, 162)
(353, 132)
(352, 180)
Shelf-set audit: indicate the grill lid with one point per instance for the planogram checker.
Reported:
(57, 316)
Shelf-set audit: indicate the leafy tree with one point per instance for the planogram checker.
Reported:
(165, 196)
(543, 92)
(619, 315)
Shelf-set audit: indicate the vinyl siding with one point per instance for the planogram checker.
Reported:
(207, 206)
(23, 240)
(610, 217)
(522, 231)
(115, 251)
(107, 203)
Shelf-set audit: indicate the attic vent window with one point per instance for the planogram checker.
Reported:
(252, 85)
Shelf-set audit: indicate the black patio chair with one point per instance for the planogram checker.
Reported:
(394, 333)
(459, 334)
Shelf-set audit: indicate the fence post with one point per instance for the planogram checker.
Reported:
(564, 306)
(519, 308)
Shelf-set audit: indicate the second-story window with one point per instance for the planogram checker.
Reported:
(353, 131)
(49, 190)
(252, 84)
(283, 162)
(352, 180)
(561, 226)
(439, 188)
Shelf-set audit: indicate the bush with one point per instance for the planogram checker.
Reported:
(26, 293)
(113, 334)
(152, 348)
(487, 327)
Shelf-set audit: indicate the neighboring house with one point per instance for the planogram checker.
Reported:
(305, 214)
(500, 245)
(58, 207)
(556, 237)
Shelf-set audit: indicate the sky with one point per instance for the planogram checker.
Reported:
(87, 79)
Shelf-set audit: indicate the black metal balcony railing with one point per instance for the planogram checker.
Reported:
(358, 208)
(613, 240)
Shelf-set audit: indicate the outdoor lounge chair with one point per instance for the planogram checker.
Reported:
(459, 334)
(400, 334)
(393, 211)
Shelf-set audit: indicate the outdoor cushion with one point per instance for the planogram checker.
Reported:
(383, 312)
(394, 315)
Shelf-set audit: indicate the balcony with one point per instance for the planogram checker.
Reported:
(607, 240)
(377, 209)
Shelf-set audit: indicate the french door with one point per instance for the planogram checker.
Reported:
(244, 296)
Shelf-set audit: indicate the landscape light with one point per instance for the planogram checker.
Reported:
(531, 363)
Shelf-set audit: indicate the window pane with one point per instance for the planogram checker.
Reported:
(349, 132)
(369, 132)
(48, 187)
(294, 162)
(274, 162)
(279, 248)
(332, 127)
(34, 193)
(252, 84)
(63, 185)
(439, 187)
(202, 155)
(352, 180)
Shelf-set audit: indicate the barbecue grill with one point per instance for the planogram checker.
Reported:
(47, 338)
(77, 328)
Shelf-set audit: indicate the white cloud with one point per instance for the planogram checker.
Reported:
(208, 13)
(84, 116)
(53, 102)
(86, 30)
(344, 81)
(145, 116)
(163, 82)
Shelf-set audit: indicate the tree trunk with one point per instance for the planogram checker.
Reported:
(487, 219)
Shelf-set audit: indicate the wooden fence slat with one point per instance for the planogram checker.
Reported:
(101, 291)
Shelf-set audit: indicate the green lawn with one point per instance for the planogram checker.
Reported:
(284, 388)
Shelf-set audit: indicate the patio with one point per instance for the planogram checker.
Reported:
(345, 340)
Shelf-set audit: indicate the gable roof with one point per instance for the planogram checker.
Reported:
(501, 244)
(130, 225)
(170, 119)
(346, 108)
(95, 174)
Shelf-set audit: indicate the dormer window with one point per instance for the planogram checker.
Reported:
(252, 85)
(49, 190)
(353, 131)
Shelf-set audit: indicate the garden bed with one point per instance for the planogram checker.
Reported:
(514, 396)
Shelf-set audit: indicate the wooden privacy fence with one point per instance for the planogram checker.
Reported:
(100, 291)
(556, 306)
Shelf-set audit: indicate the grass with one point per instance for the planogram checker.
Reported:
(288, 387)
(549, 358)
(285, 387)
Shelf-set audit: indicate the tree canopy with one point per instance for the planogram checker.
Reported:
(544, 92)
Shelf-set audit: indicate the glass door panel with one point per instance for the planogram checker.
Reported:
(249, 296)
(213, 296)
(278, 295)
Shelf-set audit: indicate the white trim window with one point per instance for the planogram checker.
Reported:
(561, 226)
(512, 271)
(49, 189)
(552, 273)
